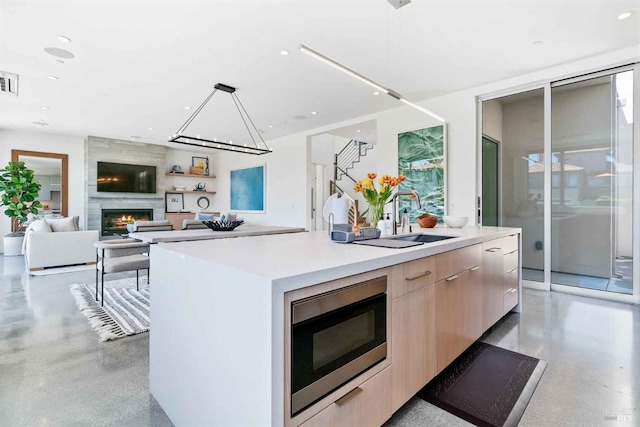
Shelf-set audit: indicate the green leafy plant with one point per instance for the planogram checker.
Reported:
(19, 188)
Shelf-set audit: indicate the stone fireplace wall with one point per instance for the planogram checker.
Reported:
(119, 151)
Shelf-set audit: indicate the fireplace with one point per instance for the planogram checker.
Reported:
(114, 221)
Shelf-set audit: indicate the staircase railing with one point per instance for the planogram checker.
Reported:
(354, 215)
(348, 157)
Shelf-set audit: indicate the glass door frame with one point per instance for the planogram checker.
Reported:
(547, 85)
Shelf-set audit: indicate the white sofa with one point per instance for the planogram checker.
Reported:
(60, 248)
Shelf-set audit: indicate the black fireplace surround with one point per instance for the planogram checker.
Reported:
(114, 221)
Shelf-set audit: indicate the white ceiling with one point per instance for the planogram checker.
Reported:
(139, 63)
(363, 132)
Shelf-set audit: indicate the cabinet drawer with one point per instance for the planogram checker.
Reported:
(511, 261)
(453, 262)
(412, 275)
(510, 280)
(510, 243)
(510, 300)
(366, 405)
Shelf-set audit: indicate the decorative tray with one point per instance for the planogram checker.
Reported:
(223, 225)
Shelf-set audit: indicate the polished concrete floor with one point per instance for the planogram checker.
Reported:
(622, 283)
(54, 372)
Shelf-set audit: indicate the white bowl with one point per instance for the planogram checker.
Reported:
(179, 187)
(455, 221)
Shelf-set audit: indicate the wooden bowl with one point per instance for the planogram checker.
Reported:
(427, 221)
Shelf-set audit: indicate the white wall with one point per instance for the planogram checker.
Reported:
(50, 143)
(492, 119)
(287, 197)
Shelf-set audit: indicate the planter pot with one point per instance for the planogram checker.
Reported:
(13, 246)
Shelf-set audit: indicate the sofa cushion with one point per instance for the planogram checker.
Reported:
(40, 226)
(204, 217)
(64, 224)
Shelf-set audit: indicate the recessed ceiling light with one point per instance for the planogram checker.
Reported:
(187, 108)
(41, 123)
(270, 126)
(284, 52)
(626, 15)
(537, 43)
(376, 93)
(134, 137)
(44, 107)
(52, 77)
(314, 112)
(64, 39)
(150, 128)
(358, 130)
(59, 53)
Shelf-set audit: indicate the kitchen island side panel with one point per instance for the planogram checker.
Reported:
(210, 342)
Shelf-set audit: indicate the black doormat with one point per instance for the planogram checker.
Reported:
(486, 385)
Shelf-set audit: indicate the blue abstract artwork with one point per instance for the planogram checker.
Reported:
(248, 189)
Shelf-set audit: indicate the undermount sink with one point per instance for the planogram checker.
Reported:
(425, 238)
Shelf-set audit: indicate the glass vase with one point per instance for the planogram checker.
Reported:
(375, 212)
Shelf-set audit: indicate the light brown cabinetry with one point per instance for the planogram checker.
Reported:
(500, 260)
(493, 292)
(413, 343)
(459, 307)
(472, 305)
(511, 273)
(366, 405)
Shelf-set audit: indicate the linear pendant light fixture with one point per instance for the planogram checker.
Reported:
(367, 80)
(180, 137)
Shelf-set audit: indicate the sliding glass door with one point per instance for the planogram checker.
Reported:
(566, 178)
(592, 183)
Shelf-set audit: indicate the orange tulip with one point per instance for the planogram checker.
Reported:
(372, 175)
(394, 182)
(401, 177)
(357, 187)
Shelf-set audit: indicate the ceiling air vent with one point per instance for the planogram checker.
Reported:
(8, 83)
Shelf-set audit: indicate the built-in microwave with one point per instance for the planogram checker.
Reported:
(334, 337)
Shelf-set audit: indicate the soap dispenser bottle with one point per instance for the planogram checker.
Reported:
(382, 225)
(404, 223)
(388, 225)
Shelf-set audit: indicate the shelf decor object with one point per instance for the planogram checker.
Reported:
(223, 225)
(257, 145)
(367, 80)
(174, 202)
(201, 162)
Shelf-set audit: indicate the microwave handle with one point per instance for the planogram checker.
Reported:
(348, 397)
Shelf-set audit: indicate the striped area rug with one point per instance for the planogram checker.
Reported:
(125, 311)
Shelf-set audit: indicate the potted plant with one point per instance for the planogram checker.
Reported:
(19, 188)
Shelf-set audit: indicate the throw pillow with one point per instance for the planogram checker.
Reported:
(204, 217)
(40, 226)
(63, 224)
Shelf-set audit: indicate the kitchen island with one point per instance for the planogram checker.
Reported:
(220, 340)
(208, 234)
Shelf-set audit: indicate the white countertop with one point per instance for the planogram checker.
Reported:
(292, 261)
(208, 234)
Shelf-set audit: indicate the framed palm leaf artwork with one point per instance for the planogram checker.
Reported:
(422, 160)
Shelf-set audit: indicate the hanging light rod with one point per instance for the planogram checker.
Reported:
(367, 80)
(181, 137)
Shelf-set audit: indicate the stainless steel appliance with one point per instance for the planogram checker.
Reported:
(335, 337)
